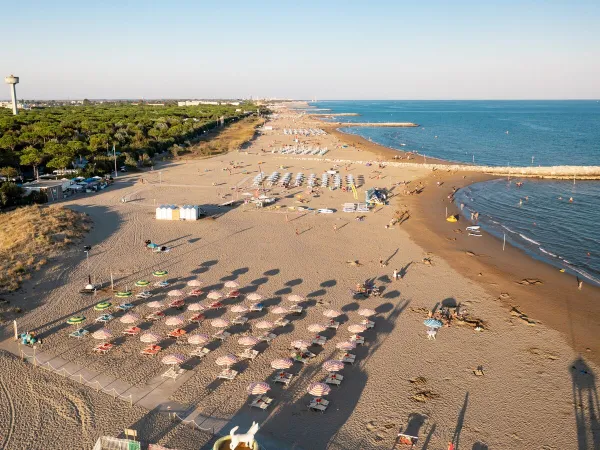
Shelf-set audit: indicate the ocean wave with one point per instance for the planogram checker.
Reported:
(547, 252)
(528, 239)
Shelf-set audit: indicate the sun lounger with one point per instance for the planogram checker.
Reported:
(261, 401)
(176, 334)
(348, 358)
(334, 379)
(177, 304)
(281, 322)
(151, 350)
(228, 374)
(132, 331)
(216, 305)
(368, 323)
(200, 352)
(333, 324)
(407, 439)
(82, 332)
(248, 354)
(143, 294)
(349, 207)
(161, 284)
(155, 316)
(358, 339)
(239, 320)
(296, 310)
(196, 293)
(257, 307)
(319, 340)
(267, 337)
(221, 335)
(125, 306)
(233, 294)
(431, 334)
(104, 318)
(103, 348)
(362, 208)
(317, 406)
(173, 372)
(283, 378)
(197, 318)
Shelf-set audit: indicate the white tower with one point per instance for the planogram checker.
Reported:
(12, 80)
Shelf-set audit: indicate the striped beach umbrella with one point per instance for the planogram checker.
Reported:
(357, 328)
(316, 328)
(198, 339)
(123, 294)
(318, 389)
(366, 312)
(75, 320)
(174, 321)
(254, 297)
(160, 273)
(265, 324)
(279, 310)
(154, 304)
(102, 334)
(331, 313)
(220, 323)
(175, 293)
(142, 283)
(196, 307)
(194, 283)
(215, 295)
(239, 309)
(174, 359)
(433, 323)
(295, 298)
(301, 344)
(346, 346)
(232, 284)
(258, 388)
(333, 365)
(129, 318)
(282, 363)
(149, 338)
(102, 306)
(248, 341)
(226, 360)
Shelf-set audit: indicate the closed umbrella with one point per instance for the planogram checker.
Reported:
(346, 346)
(175, 293)
(226, 360)
(148, 338)
(174, 359)
(248, 341)
(316, 328)
(366, 312)
(196, 307)
(295, 298)
(318, 389)
(142, 283)
(214, 295)
(282, 363)
(102, 334)
(102, 306)
(433, 323)
(232, 284)
(154, 304)
(333, 365)
(331, 313)
(357, 328)
(254, 297)
(239, 309)
(301, 344)
(129, 318)
(198, 339)
(174, 321)
(258, 388)
(75, 320)
(220, 323)
(265, 324)
(194, 283)
(279, 310)
(160, 273)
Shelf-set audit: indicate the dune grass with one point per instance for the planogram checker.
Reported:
(229, 138)
(31, 235)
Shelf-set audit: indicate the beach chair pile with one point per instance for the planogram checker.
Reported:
(273, 178)
(350, 180)
(285, 180)
(302, 150)
(258, 179)
(355, 208)
(312, 178)
(299, 179)
(337, 181)
(304, 131)
(325, 180)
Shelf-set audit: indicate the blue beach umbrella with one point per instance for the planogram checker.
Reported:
(433, 323)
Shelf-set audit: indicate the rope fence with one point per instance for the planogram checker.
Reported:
(77, 377)
(193, 423)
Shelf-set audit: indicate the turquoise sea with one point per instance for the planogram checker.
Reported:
(536, 217)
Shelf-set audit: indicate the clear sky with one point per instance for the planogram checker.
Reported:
(325, 49)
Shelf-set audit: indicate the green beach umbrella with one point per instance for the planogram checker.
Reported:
(102, 306)
(75, 320)
(160, 273)
(142, 283)
(123, 294)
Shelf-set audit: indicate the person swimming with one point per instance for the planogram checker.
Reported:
(571, 200)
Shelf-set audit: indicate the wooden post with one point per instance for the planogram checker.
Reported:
(16, 332)
(112, 282)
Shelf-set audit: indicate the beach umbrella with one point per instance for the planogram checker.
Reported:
(154, 304)
(346, 346)
(102, 333)
(318, 389)
(366, 312)
(279, 310)
(175, 293)
(226, 360)
(174, 359)
(142, 283)
(316, 328)
(102, 306)
(264, 324)
(194, 283)
(148, 338)
(220, 323)
(196, 307)
(198, 339)
(258, 388)
(75, 320)
(160, 273)
(239, 309)
(295, 298)
(123, 294)
(129, 318)
(248, 341)
(433, 323)
(282, 363)
(301, 344)
(174, 320)
(333, 365)
(214, 295)
(254, 297)
(331, 313)
(357, 328)
(232, 284)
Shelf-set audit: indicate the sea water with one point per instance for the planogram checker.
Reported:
(537, 217)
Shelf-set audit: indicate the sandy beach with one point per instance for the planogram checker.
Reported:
(536, 388)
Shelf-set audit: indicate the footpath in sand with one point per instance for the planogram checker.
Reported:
(529, 397)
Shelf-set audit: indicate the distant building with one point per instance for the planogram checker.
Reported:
(52, 188)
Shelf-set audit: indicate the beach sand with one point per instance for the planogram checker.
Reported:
(529, 397)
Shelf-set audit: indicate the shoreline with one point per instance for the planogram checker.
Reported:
(556, 302)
